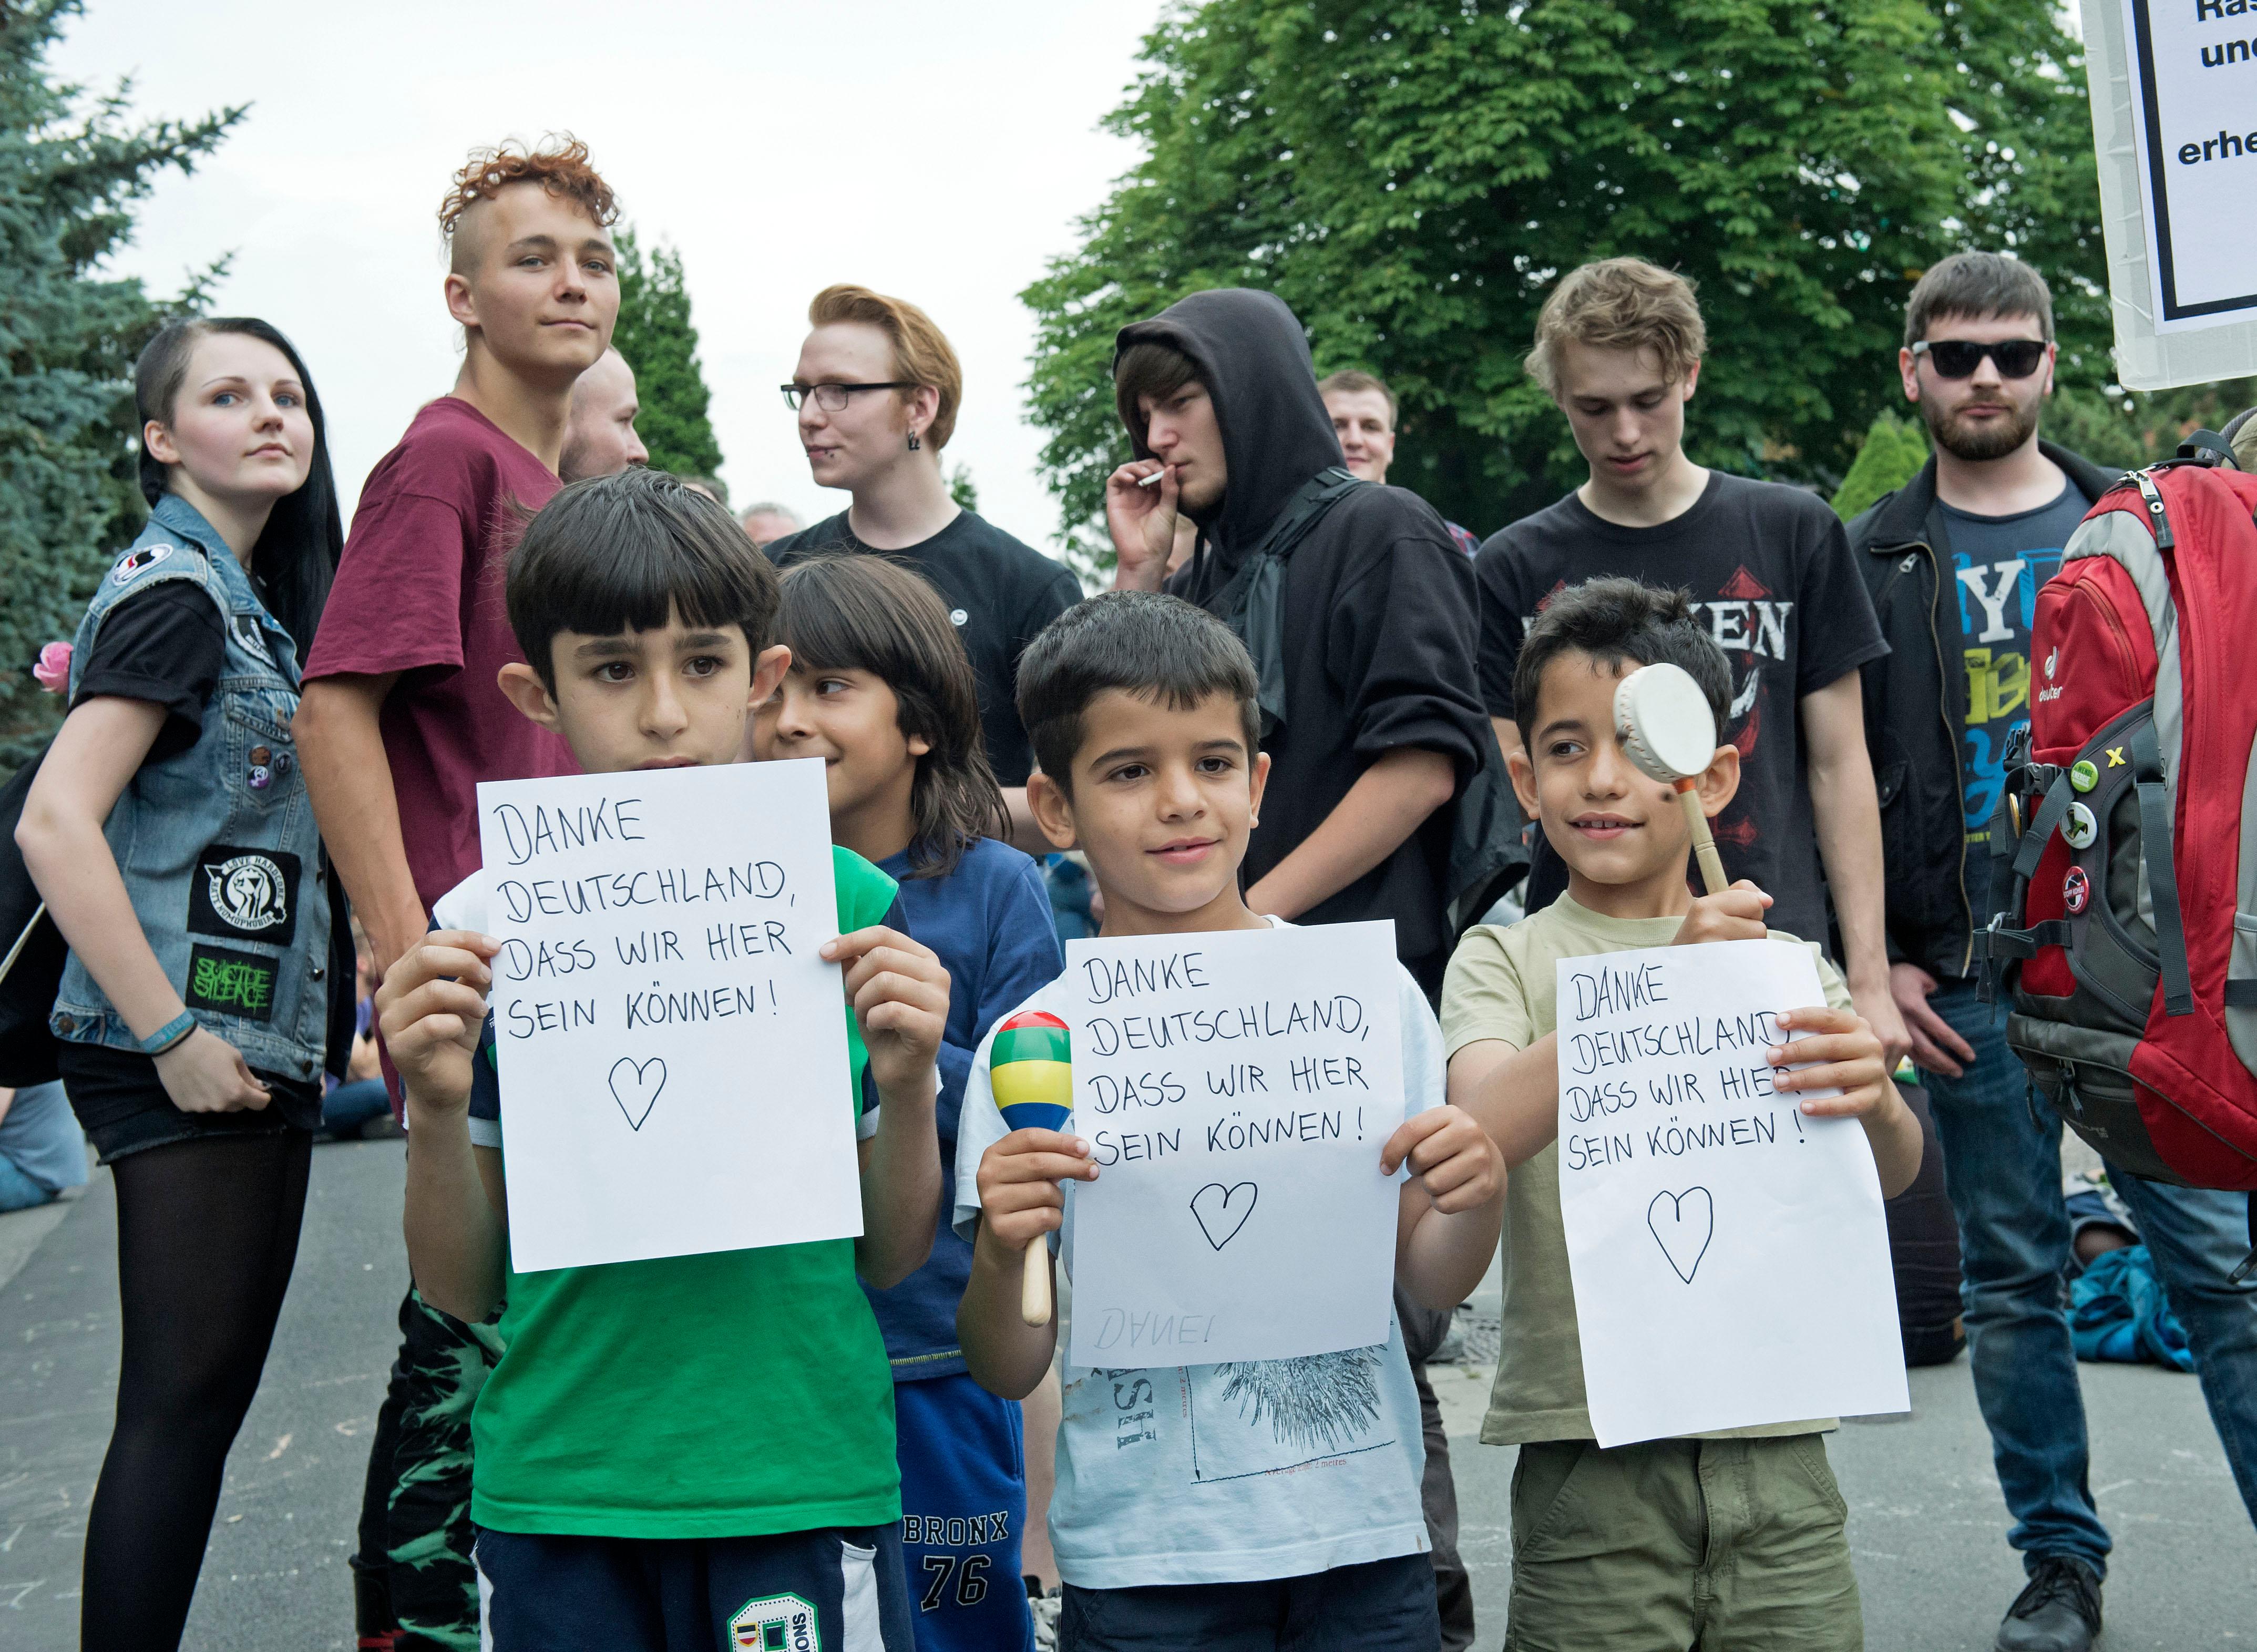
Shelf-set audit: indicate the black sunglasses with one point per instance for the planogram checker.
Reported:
(1959, 357)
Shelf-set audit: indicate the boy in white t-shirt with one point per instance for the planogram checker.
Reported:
(1240, 1507)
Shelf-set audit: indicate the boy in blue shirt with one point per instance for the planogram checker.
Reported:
(689, 1451)
(1143, 712)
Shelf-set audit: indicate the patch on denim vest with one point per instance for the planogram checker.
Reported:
(231, 982)
(147, 556)
(245, 894)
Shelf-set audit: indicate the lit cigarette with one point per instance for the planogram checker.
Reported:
(1152, 481)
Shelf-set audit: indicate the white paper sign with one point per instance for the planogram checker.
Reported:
(2175, 132)
(1237, 1087)
(672, 1048)
(1729, 1257)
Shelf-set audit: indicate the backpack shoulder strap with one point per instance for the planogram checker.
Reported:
(1253, 604)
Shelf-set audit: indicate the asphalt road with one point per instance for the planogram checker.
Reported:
(1927, 1525)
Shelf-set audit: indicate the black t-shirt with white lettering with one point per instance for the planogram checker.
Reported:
(1770, 569)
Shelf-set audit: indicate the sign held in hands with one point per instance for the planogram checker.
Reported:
(1236, 1088)
(671, 1047)
(1729, 1257)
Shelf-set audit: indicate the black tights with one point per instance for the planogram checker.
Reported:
(207, 1234)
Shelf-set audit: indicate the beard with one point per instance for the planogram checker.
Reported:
(1979, 443)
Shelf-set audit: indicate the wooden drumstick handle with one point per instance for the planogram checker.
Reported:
(1034, 1294)
(1704, 844)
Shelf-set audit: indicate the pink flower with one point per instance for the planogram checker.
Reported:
(52, 672)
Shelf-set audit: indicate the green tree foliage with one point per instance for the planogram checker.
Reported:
(656, 336)
(963, 490)
(2112, 427)
(71, 168)
(1894, 449)
(1412, 176)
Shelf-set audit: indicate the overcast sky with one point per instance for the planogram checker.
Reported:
(940, 152)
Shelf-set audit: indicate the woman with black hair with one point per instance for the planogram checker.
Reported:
(169, 834)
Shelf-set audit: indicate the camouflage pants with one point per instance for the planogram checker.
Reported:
(417, 1499)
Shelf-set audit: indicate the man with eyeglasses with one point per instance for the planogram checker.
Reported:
(876, 390)
(1954, 560)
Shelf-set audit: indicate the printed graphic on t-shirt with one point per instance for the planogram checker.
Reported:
(1997, 600)
(1263, 1416)
(1754, 628)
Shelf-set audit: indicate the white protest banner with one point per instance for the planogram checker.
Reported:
(1729, 1258)
(672, 1049)
(1236, 1087)
(2174, 101)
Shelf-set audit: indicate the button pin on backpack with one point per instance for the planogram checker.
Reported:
(2083, 775)
(2078, 827)
(2076, 890)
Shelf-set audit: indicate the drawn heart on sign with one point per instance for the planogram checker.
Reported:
(635, 1088)
(1684, 1229)
(1220, 1212)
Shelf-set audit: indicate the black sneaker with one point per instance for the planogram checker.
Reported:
(2060, 1611)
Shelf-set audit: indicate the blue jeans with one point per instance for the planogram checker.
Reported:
(42, 1150)
(345, 1109)
(2002, 1169)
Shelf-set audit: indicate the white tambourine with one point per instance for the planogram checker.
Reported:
(1662, 719)
(1664, 725)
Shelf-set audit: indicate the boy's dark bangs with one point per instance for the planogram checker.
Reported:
(826, 632)
(645, 570)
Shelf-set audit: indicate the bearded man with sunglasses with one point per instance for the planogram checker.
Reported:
(1954, 560)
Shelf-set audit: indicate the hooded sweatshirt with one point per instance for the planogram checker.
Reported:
(1380, 623)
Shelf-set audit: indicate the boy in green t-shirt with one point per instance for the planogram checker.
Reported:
(1730, 1539)
(691, 1451)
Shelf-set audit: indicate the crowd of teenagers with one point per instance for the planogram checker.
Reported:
(1304, 696)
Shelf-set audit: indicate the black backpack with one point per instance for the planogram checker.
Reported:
(31, 951)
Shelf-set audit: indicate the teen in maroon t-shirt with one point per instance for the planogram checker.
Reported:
(402, 718)
(419, 599)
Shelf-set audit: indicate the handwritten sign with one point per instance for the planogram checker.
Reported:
(1236, 1088)
(671, 1049)
(2175, 132)
(1729, 1258)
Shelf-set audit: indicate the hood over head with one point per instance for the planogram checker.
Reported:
(1254, 359)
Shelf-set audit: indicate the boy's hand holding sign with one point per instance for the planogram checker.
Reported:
(1724, 1222)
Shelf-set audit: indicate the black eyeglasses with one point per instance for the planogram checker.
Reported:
(1959, 357)
(832, 398)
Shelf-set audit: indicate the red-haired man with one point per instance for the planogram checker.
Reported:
(402, 719)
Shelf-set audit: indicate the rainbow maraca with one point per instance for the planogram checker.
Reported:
(1030, 1071)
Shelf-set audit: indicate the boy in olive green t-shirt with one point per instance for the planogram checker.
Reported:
(690, 1451)
(1729, 1539)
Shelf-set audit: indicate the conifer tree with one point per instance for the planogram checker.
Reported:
(1892, 454)
(71, 168)
(655, 334)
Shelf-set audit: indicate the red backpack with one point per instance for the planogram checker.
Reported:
(2124, 846)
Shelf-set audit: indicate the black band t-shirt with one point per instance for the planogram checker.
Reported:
(1770, 570)
(1000, 593)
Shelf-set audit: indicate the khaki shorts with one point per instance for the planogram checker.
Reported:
(1719, 1545)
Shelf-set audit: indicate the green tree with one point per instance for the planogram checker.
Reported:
(1894, 451)
(71, 167)
(660, 342)
(1412, 176)
(963, 490)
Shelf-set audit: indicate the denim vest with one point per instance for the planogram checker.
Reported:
(218, 843)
